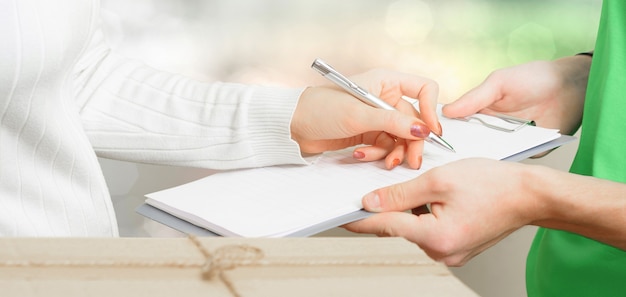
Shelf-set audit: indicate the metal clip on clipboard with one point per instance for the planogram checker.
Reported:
(518, 122)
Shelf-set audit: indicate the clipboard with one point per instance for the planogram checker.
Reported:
(186, 227)
(183, 226)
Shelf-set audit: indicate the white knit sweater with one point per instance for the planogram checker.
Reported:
(65, 97)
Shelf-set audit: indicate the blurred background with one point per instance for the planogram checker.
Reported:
(455, 42)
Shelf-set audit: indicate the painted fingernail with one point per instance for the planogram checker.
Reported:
(395, 163)
(358, 155)
(420, 131)
(371, 202)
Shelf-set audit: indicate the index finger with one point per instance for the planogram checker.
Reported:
(418, 229)
(426, 92)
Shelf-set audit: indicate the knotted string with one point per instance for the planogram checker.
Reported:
(226, 258)
(215, 263)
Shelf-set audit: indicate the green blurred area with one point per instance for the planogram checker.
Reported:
(469, 39)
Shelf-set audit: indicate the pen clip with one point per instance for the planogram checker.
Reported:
(325, 69)
(340, 80)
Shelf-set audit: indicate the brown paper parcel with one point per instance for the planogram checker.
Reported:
(221, 267)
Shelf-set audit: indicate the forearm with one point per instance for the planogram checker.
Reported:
(156, 117)
(135, 113)
(589, 206)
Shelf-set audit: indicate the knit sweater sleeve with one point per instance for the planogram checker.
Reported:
(135, 113)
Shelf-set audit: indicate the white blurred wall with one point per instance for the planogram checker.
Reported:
(456, 42)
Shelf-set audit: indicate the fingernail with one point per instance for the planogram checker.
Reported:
(420, 131)
(371, 202)
(395, 163)
(419, 162)
(440, 130)
(358, 155)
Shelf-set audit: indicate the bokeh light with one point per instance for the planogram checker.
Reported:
(530, 39)
(409, 22)
(455, 42)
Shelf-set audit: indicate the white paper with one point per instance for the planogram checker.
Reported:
(276, 201)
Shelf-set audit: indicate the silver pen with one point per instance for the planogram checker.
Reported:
(331, 74)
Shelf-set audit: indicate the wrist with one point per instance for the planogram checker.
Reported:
(554, 193)
(540, 193)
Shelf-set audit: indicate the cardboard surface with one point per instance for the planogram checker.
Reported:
(249, 267)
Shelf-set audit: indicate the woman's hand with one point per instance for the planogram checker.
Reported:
(328, 118)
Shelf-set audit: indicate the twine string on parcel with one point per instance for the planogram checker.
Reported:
(214, 264)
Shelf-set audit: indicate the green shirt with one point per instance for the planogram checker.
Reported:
(562, 263)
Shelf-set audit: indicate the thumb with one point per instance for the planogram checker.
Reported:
(398, 197)
(473, 101)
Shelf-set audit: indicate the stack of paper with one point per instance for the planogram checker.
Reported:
(303, 200)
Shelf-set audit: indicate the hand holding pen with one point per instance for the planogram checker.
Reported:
(393, 90)
(329, 118)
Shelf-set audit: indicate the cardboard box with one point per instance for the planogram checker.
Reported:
(221, 267)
